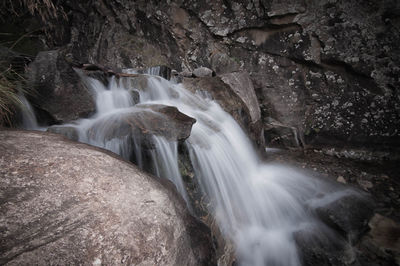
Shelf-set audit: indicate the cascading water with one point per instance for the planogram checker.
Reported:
(259, 206)
(28, 118)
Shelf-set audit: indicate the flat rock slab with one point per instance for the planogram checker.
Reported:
(67, 203)
(144, 121)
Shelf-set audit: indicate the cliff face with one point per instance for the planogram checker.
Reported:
(325, 72)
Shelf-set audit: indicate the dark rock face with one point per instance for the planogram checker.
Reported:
(58, 89)
(68, 203)
(349, 215)
(328, 69)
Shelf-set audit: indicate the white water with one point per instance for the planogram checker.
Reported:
(29, 120)
(258, 206)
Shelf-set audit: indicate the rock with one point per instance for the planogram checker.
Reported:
(229, 100)
(365, 184)
(68, 131)
(235, 93)
(202, 72)
(385, 232)
(99, 75)
(279, 135)
(341, 179)
(135, 95)
(186, 74)
(242, 85)
(70, 203)
(162, 71)
(382, 243)
(59, 90)
(318, 246)
(349, 215)
(222, 63)
(144, 121)
(223, 94)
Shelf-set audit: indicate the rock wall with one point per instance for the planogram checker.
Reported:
(325, 72)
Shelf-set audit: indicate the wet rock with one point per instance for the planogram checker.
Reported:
(202, 72)
(318, 246)
(382, 242)
(135, 95)
(349, 215)
(279, 135)
(59, 91)
(68, 131)
(162, 71)
(142, 122)
(241, 84)
(230, 100)
(223, 94)
(70, 203)
(99, 75)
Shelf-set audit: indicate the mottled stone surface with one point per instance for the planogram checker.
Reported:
(202, 72)
(67, 203)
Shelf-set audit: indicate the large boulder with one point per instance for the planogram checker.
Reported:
(67, 203)
(59, 91)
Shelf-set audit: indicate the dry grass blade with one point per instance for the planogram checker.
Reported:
(10, 84)
(45, 9)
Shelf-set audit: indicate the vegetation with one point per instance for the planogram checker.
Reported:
(13, 41)
(10, 83)
(45, 9)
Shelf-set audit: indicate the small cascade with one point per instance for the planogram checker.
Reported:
(28, 118)
(165, 156)
(260, 207)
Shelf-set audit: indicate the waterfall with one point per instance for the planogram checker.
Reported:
(28, 118)
(259, 206)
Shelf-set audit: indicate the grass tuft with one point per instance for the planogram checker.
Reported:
(45, 9)
(11, 84)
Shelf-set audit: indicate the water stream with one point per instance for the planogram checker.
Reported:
(259, 206)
